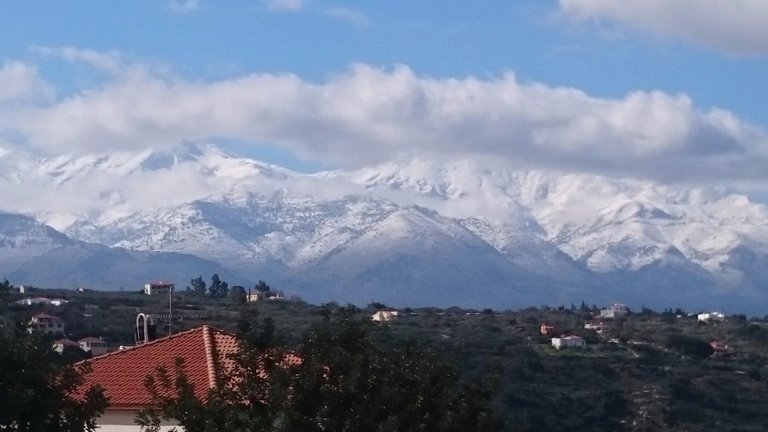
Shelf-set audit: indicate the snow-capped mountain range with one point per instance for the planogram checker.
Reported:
(415, 232)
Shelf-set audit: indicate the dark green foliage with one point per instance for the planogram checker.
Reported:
(36, 384)
(198, 286)
(5, 291)
(688, 345)
(638, 375)
(262, 287)
(238, 295)
(218, 288)
(351, 376)
(37, 389)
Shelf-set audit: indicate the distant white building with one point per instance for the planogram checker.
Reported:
(61, 344)
(615, 311)
(158, 287)
(94, 345)
(255, 297)
(569, 342)
(269, 295)
(384, 316)
(45, 323)
(29, 301)
(711, 317)
(597, 326)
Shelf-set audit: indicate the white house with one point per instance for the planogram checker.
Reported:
(384, 316)
(158, 287)
(711, 317)
(256, 296)
(597, 326)
(30, 301)
(60, 344)
(47, 324)
(59, 301)
(615, 311)
(568, 342)
(94, 345)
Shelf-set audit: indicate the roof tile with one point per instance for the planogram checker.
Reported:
(122, 373)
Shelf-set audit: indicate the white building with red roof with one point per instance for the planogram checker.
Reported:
(45, 323)
(158, 287)
(122, 374)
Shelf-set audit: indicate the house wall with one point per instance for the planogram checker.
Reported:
(125, 421)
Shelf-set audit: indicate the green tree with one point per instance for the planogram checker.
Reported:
(688, 345)
(238, 295)
(38, 392)
(218, 288)
(262, 287)
(5, 291)
(345, 375)
(198, 285)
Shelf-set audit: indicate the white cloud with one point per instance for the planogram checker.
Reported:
(352, 16)
(20, 82)
(109, 61)
(285, 5)
(183, 6)
(369, 115)
(734, 26)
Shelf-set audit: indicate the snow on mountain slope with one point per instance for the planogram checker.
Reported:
(608, 224)
(415, 256)
(21, 238)
(36, 254)
(415, 221)
(627, 225)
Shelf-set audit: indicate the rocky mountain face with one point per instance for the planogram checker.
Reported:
(411, 233)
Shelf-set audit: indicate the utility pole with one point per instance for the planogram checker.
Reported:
(170, 311)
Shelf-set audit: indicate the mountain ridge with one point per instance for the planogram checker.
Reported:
(564, 235)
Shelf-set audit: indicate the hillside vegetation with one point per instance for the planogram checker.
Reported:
(649, 370)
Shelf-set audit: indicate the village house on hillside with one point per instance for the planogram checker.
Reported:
(546, 329)
(568, 342)
(93, 345)
(615, 311)
(158, 288)
(61, 344)
(204, 351)
(264, 295)
(47, 324)
(35, 301)
(384, 316)
(596, 325)
(709, 317)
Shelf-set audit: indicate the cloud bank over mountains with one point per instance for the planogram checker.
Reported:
(370, 114)
(736, 27)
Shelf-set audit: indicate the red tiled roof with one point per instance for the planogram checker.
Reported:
(122, 373)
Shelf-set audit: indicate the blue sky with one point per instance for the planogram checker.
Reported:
(636, 88)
